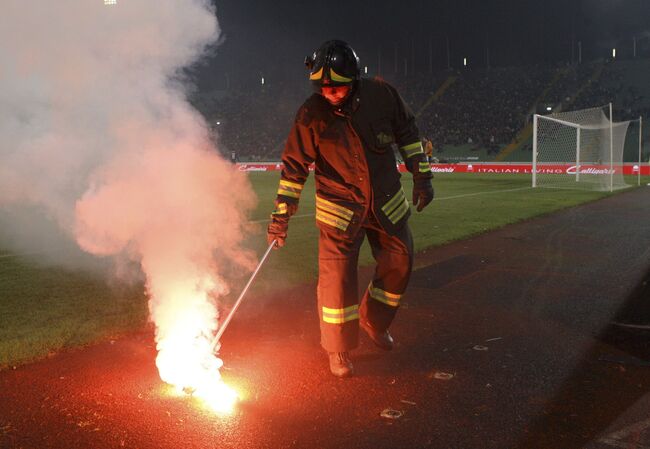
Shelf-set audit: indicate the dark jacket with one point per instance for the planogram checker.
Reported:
(353, 149)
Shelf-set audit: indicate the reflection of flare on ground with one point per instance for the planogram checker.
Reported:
(186, 359)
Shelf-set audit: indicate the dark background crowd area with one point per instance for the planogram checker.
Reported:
(482, 108)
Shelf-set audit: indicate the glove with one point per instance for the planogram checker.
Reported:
(422, 193)
(277, 230)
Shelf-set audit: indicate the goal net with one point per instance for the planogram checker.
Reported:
(579, 150)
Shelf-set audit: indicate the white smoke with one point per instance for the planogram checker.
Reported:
(74, 74)
(97, 134)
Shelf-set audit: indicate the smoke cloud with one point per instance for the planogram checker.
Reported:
(97, 135)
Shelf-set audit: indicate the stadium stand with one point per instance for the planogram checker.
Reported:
(482, 110)
(469, 115)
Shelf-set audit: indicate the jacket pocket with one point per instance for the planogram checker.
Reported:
(383, 137)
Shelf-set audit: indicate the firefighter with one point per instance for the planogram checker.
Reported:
(427, 145)
(350, 129)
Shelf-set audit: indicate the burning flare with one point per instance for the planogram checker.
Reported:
(185, 357)
(180, 211)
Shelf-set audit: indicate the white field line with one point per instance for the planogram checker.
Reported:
(453, 197)
(623, 445)
(616, 439)
(264, 220)
(631, 326)
(7, 256)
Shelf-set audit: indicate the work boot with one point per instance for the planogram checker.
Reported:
(382, 339)
(340, 364)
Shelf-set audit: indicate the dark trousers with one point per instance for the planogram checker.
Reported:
(338, 301)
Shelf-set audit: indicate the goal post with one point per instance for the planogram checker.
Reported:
(579, 150)
(639, 167)
(535, 150)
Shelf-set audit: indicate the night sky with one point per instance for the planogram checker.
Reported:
(271, 38)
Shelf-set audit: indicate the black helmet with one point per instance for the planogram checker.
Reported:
(334, 63)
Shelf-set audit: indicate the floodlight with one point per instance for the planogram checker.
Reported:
(110, 2)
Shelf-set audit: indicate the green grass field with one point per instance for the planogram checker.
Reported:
(44, 309)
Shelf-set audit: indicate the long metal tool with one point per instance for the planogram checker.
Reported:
(225, 323)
